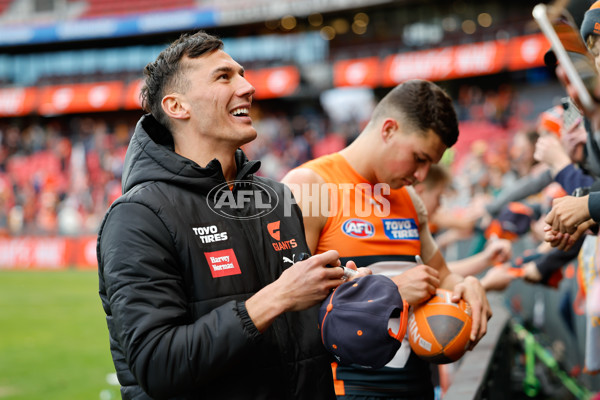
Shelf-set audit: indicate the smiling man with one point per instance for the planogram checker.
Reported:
(203, 297)
(374, 217)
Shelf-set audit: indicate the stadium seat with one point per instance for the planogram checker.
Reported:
(4, 4)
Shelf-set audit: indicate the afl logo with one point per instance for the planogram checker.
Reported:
(251, 199)
(358, 228)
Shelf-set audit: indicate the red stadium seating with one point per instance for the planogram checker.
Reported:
(4, 4)
(101, 8)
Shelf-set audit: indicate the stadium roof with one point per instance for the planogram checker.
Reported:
(75, 21)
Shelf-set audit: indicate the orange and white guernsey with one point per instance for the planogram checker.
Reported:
(383, 229)
(368, 223)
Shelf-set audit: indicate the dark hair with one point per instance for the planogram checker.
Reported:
(532, 136)
(437, 174)
(164, 73)
(421, 105)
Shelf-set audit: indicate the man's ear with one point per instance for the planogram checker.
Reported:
(174, 107)
(388, 129)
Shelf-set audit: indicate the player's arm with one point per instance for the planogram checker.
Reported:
(299, 287)
(306, 186)
(419, 283)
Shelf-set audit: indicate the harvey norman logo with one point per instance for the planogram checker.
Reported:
(223, 263)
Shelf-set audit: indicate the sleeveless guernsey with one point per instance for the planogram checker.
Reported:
(374, 226)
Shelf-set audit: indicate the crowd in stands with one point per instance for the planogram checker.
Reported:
(58, 176)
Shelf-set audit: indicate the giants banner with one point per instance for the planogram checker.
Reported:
(274, 82)
(467, 60)
(17, 101)
(66, 99)
(357, 72)
(444, 63)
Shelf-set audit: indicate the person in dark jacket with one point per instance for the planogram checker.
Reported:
(198, 259)
(572, 216)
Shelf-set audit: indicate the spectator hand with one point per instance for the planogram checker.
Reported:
(564, 241)
(550, 151)
(498, 251)
(473, 293)
(568, 213)
(497, 278)
(531, 272)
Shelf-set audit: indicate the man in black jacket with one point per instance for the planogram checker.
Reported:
(198, 268)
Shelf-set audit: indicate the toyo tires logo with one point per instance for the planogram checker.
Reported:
(242, 200)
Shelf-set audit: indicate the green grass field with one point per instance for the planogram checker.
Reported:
(53, 337)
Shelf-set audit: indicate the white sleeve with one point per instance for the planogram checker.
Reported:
(428, 245)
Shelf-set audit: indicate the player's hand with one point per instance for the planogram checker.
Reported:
(360, 272)
(473, 293)
(308, 282)
(417, 284)
(303, 285)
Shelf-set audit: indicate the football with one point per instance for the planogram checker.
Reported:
(439, 329)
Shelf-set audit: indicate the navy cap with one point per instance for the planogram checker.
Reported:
(513, 220)
(355, 319)
(517, 216)
(591, 21)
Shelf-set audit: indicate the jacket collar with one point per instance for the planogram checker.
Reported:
(151, 157)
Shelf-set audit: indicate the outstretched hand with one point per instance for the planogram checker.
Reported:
(568, 213)
(564, 241)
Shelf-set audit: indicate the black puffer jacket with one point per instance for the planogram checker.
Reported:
(176, 264)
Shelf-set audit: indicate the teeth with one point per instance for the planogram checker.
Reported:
(240, 111)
